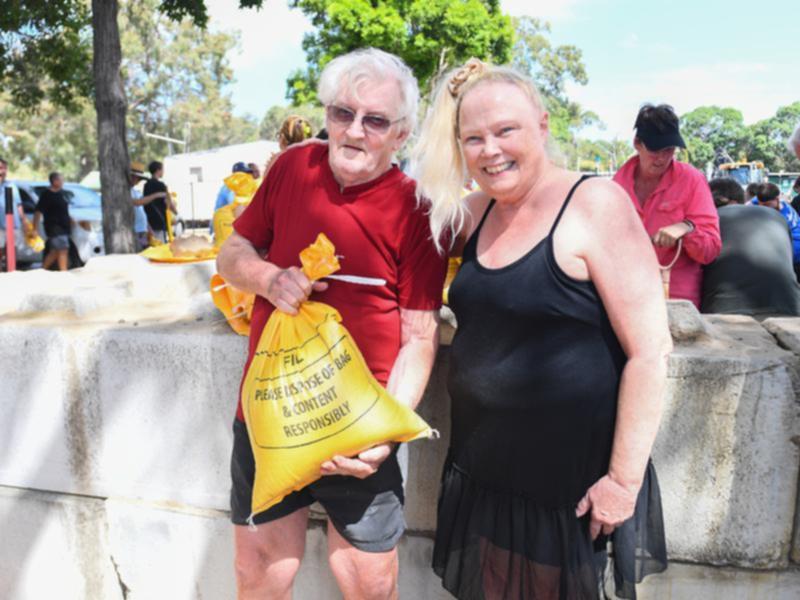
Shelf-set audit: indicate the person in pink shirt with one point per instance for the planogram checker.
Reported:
(673, 200)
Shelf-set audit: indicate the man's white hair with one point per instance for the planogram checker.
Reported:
(351, 70)
(794, 141)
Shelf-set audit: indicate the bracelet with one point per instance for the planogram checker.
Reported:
(690, 225)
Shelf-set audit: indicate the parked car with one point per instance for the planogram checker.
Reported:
(85, 208)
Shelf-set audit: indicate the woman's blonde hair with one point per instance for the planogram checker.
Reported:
(294, 129)
(437, 162)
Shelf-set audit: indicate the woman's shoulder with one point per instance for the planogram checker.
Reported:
(599, 201)
(476, 204)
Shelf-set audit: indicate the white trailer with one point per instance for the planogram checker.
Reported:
(196, 177)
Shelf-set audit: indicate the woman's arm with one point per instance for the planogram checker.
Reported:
(622, 265)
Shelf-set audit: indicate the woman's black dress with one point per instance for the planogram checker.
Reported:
(534, 375)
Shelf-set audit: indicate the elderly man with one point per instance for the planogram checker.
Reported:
(350, 190)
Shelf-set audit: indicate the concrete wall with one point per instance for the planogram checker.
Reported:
(119, 384)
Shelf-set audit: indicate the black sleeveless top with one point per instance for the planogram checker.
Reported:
(534, 375)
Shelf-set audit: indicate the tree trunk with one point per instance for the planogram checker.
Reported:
(112, 144)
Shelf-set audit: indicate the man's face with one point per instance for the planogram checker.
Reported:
(361, 148)
(57, 183)
(3, 171)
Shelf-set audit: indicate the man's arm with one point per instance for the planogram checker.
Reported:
(242, 266)
(148, 199)
(37, 217)
(419, 331)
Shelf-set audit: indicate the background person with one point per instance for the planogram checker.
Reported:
(226, 195)
(350, 190)
(753, 274)
(794, 142)
(796, 199)
(769, 195)
(558, 367)
(54, 208)
(672, 199)
(140, 226)
(294, 129)
(156, 210)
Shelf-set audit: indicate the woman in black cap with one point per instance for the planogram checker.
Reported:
(673, 201)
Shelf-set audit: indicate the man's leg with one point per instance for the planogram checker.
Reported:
(62, 258)
(362, 575)
(49, 259)
(268, 558)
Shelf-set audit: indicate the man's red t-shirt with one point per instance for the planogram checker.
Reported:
(378, 231)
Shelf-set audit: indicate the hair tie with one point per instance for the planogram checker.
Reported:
(474, 66)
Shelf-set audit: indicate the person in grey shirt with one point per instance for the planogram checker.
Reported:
(753, 274)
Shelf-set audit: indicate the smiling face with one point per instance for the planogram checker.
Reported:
(502, 134)
(358, 154)
(653, 163)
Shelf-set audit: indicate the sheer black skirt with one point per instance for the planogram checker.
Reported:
(495, 545)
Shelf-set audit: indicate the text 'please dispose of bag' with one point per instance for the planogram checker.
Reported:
(310, 394)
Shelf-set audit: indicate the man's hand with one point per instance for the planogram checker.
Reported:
(288, 288)
(668, 236)
(363, 466)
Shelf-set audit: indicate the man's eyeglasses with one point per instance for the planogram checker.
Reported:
(374, 123)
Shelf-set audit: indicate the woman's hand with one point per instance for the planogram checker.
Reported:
(610, 503)
(668, 236)
(362, 466)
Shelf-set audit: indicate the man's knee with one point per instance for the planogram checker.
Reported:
(373, 575)
(267, 560)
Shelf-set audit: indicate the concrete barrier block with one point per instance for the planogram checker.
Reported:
(690, 582)
(724, 454)
(54, 546)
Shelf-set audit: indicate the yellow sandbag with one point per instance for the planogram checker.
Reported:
(453, 265)
(163, 254)
(308, 395)
(237, 306)
(32, 237)
(243, 185)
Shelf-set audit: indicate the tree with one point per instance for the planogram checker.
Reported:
(708, 129)
(767, 139)
(550, 68)
(276, 115)
(43, 50)
(429, 35)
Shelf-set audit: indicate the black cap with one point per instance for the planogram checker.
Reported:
(656, 139)
(241, 167)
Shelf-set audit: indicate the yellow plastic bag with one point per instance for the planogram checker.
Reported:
(309, 395)
(243, 185)
(32, 238)
(237, 306)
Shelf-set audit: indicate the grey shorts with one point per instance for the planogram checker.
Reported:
(368, 513)
(59, 242)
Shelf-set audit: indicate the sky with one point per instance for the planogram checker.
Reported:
(687, 53)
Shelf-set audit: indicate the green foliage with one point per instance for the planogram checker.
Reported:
(709, 129)
(429, 35)
(174, 76)
(45, 52)
(276, 115)
(767, 139)
(551, 68)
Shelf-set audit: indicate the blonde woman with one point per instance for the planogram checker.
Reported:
(559, 363)
(294, 129)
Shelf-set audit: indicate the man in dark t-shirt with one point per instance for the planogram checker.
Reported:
(753, 274)
(54, 208)
(157, 209)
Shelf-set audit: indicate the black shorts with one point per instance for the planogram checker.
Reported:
(368, 513)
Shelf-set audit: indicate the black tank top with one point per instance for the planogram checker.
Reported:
(534, 375)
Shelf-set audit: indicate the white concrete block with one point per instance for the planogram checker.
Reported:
(54, 546)
(695, 582)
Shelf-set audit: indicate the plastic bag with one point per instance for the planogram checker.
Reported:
(308, 395)
(243, 186)
(236, 305)
(32, 237)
